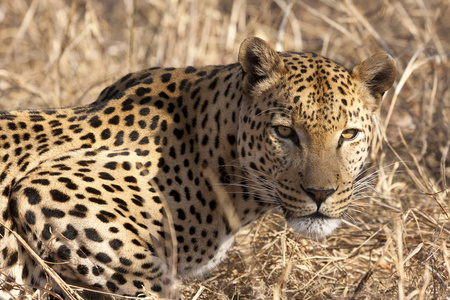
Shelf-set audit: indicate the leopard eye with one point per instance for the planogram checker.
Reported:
(349, 134)
(284, 131)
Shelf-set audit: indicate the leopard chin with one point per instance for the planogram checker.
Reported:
(314, 226)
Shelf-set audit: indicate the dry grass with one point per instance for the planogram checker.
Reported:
(396, 242)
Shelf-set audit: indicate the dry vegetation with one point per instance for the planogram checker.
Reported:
(395, 244)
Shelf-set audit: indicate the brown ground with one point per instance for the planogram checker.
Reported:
(396, 242)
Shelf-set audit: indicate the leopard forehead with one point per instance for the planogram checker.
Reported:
(316, 80)
(317, 94)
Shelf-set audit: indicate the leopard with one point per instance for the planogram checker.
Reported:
(151, 182)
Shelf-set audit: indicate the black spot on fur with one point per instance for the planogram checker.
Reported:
(166, 77)
(59, 196)
(30, 217)
(32, 195)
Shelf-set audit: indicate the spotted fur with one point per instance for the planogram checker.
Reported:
(89, 188)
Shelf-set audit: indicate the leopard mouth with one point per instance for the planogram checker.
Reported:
(289, 214)
(315, 225)
(317, 215)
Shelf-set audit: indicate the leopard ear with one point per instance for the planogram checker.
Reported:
(376, 75)
(261, 64)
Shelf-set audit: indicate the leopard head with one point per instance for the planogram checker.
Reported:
(305, 130)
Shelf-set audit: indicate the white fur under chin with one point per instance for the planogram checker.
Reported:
(314, 227)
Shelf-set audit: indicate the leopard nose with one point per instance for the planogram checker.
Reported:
(319, 195)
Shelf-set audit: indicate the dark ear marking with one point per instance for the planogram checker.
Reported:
(261, 64)
(376, 74)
